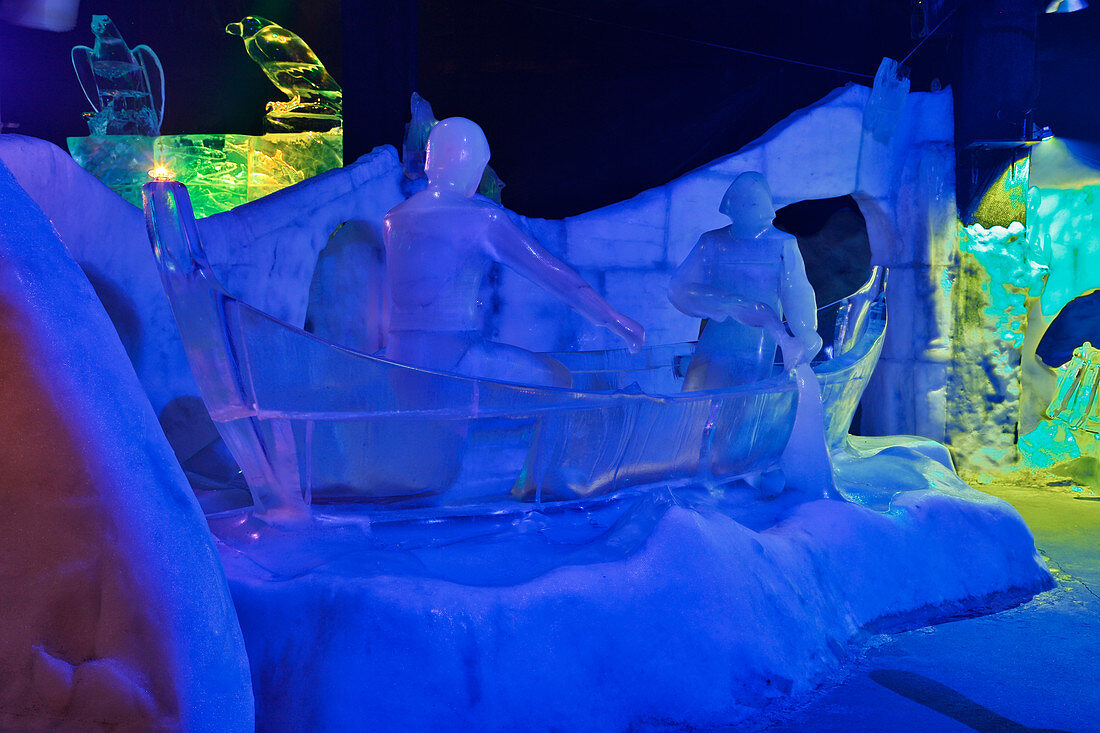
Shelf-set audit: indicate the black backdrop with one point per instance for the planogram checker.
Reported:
(585, 102)
(212, 85)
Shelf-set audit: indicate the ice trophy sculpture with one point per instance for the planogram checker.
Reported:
(117, 83)
(314, 97)
(439, 245)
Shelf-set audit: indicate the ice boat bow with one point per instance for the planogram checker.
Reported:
(308, 420)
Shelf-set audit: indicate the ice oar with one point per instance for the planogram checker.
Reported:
(806, 463)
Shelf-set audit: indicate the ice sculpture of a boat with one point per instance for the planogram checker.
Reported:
(309, 420)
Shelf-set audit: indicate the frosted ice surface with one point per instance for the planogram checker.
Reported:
(684, 607)
(116, 611)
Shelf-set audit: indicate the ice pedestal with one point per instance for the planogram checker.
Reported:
(229, 170)
(666, 609)
(122, 162)
(222, 171)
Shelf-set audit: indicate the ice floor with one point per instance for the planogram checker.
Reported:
(1031, 668)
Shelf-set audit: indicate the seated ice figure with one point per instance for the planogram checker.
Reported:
(440, 244)
(745, 278)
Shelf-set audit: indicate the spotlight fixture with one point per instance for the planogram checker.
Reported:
(1067, 6)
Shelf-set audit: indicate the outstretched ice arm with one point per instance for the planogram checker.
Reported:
(511, 247)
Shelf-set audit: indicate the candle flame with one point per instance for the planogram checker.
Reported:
(161, 173)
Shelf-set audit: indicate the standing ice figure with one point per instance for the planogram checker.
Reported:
(439, 246)
(745, 278)
(116, 81)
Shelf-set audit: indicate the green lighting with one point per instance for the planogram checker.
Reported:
(221, 171)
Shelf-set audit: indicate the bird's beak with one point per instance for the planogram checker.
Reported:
(235, 29)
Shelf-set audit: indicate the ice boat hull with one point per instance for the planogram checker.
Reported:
(308, 420)
(712, 436)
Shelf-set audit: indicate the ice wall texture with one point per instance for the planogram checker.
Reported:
(116, 611)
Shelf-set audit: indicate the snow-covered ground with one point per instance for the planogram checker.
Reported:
(657, 609)
(1028, 668)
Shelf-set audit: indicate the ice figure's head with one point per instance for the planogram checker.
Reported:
(456, 156)
(248, 26)
(748, 202)
(103, 26)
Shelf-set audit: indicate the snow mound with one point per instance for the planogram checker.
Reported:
(666, 608)
(116, 612)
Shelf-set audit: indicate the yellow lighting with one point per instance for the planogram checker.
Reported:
(161, 173)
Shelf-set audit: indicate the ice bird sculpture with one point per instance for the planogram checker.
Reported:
(117, 83)
(314, 98)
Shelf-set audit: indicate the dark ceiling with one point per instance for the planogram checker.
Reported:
(584, 102)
